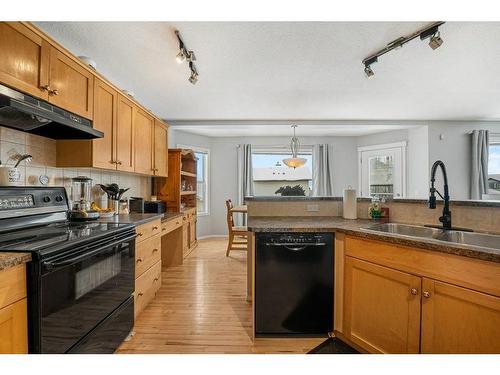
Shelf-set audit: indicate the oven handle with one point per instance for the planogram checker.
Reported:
(51, 265)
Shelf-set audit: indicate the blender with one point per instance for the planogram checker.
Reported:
(81, 202)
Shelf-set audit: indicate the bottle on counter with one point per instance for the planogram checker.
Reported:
(375, 208)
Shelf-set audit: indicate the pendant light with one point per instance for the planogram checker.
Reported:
(294, 161)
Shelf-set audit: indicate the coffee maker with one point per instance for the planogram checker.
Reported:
(81, 201)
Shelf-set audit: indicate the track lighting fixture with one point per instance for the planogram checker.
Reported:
(185, 54)
(435, 41)
(431, 31)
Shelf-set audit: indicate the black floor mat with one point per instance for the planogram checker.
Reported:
(333, 346)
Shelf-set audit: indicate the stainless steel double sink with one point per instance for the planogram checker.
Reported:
(454, 236)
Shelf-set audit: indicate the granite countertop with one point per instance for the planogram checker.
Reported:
(133, 218)
(8, 260)
(358, 228)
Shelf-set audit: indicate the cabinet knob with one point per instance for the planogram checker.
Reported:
(45, 88)
(140, 294)
(427, 294)
(156, 279)
(139, 234)
(54, 92)
(155, 228)
(139, 260)
(155, 250)
(414, 291)
(118, 162)
(155, 169)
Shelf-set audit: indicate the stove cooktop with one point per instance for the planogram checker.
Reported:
(52, 237)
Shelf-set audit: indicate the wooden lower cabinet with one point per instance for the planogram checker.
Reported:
(146, 287)
(147, 264)
(404, 300)
(459, 320)
(14, 328)
(381, 308)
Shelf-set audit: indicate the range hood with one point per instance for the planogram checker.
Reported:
(24, 112)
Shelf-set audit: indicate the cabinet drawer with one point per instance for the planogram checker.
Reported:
(12, 285)
(146, 287)
(14, 328)
(147, 253)
(171, 225)
(147, 230)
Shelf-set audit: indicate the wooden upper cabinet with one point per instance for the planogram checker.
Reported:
(71, 85)
(125, 135)
(160, 155)
(381, 308)
(105, 114)
(143, 142)
(24, 59)
(456, 320)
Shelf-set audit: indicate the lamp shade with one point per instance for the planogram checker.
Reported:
(295, 162)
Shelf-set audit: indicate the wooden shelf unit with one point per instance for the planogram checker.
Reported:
(182, 170)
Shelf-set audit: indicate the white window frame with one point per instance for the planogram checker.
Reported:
(208, 172)
(402, 145)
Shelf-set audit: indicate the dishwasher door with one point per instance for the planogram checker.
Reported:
(294, 284)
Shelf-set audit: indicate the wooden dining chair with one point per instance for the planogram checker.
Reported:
(238, 235)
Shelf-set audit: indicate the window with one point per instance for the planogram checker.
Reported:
(494, 165)
(270, 174)
(202, 179)
(382, 170)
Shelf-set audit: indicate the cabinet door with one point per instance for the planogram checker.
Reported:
(72, 85)
(185, 238)
(24, 59)
(458, 320)
(381, 308)
(143, 150)
(14, 328)
(125, 135)
(160, 150)
(192, 231)
(105, 103)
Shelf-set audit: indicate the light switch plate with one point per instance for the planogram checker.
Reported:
(312, 207)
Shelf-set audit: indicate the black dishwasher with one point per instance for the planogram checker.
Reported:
(294, 284)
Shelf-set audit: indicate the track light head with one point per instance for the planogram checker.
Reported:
(191, 56)
(180, 57)
(368, 71)
(193, 78)
(435, 41)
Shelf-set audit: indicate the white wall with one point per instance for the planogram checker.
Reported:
(418, 163)
(455, 151)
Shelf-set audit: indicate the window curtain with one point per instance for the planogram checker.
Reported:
(479, 167)
(245, 178)
(322, 176)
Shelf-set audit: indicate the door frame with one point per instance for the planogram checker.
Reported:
(380, 147)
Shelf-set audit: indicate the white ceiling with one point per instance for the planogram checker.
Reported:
(289, 70)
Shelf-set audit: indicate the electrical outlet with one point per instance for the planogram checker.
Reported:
(312, 207)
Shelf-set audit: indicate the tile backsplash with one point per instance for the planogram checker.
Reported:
(43, 150)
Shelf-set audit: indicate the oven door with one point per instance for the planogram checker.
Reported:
(81, 289)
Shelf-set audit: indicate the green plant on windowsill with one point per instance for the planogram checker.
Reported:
(291, 191)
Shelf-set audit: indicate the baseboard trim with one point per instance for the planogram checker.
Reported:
(213, 236)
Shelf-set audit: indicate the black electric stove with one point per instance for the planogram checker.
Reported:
(81, 277)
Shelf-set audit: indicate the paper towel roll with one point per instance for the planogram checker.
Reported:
(350, 204)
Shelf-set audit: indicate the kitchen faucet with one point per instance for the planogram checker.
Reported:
(446, 218)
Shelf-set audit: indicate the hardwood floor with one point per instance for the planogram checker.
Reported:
(201, 308)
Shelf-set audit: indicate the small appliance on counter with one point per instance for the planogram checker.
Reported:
(81, 201)
(139, 205)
